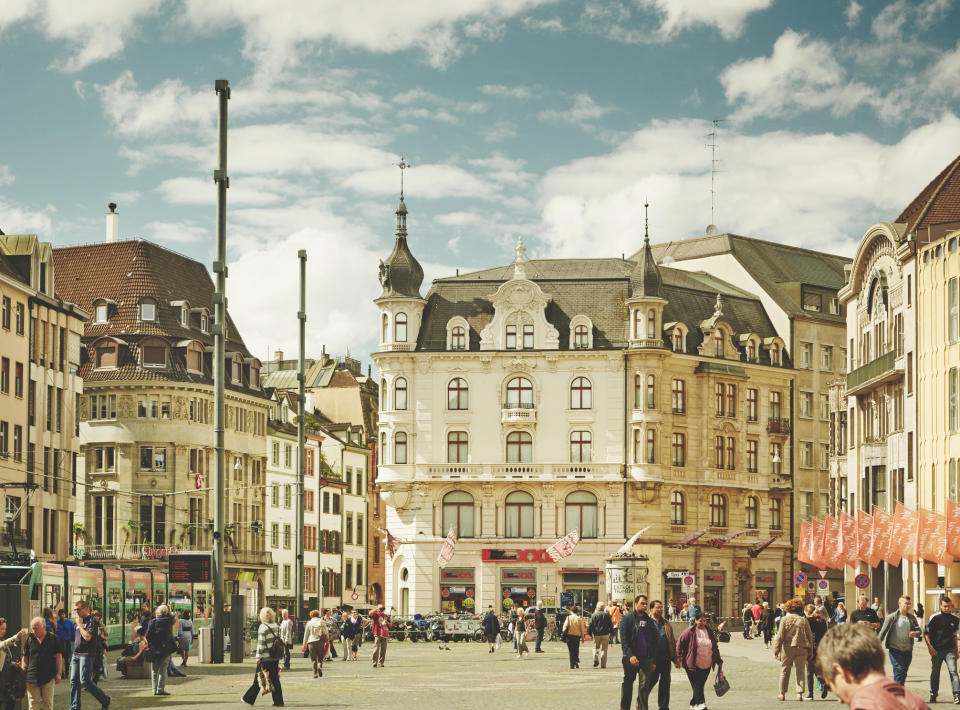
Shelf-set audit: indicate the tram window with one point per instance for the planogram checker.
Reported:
(157, 597)
(200, 602)
(51, 595)
(113, 607)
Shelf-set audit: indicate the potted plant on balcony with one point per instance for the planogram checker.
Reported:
(79, 532)
(184, 531)
(228, 536)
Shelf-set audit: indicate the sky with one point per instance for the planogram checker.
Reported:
(548, 120)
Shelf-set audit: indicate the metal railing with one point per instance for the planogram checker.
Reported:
(778, 425)
(875, 369)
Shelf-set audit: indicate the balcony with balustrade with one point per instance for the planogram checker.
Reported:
(518, 413)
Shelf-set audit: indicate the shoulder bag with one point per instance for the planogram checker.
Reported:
(278, 647)
(721, 685)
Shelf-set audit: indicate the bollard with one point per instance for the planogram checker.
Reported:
(238, 634)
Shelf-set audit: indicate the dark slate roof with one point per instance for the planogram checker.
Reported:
(645, 279)
(937, 203)
(776, 267)
(597, 288)
(401, 273)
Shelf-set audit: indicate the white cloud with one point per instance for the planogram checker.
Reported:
(15, 219)
(14, 11)
(801, 74)
(170, 104)
(583, 112)
(430, 181)
(499, 131)
(729, 16)
(893, 22)
(852, 13)
(6, 177)
(512, 92)
(185, 232)
(97, 29)
(818, 190)
(275, 33)
(551, 24)
(125, 197)
(243, 191)
(420, 97)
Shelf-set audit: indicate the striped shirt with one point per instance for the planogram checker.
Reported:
(267, 634)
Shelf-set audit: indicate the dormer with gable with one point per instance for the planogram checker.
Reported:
(520, 320)
(646, 302)
(400, 303)
(718, 336)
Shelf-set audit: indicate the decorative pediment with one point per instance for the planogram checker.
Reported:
(518, 303)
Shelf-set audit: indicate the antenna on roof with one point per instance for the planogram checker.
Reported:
(712, 145)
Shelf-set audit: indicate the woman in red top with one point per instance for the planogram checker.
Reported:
(698, 652)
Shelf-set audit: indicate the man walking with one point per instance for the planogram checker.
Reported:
(638, 639)
(66, 630)
(286, 635)
(692, 610)
(84, 655)
(941, 638)
(665, 654)
(616, 616)
(865, 615)
(600, 627)
(899, 632)
(491, 628)
(540, 623)
(41, 654)
(381, 633)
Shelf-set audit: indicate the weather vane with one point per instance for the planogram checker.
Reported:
(403, 165)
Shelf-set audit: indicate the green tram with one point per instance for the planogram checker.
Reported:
(118, 593)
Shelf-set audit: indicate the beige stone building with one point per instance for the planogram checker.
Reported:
(39, 389)
(798, 289)
(147, 414)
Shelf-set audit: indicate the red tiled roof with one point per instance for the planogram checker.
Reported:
(937, 203)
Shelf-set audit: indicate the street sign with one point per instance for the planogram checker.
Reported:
(800, 578)
(688, 580)
(862, 581)
(823, 573)
(356, 596)
(823, 587)
(811, 586)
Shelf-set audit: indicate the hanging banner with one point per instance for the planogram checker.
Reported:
(953, 529)
(906, 529)
(816, 548)
(865, 546)
(804, 548)
(848, 526)
(564, 546)
(832, 543)
(883, 537)
(932, 540)
(446, 552)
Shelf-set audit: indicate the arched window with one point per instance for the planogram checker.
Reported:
(519, 514)
(776, 514)
(400, 394)
(580, 446)
(718, 511)
(194, 355)
(458, 513)
(153, 353)
(651, 392)
(458, 394)
(581, 513)
(519, 394)
(774, 355)
(385, 328)
(581, 337)
(651, 445)
(106, 353)
(457, 447)
(519, 447)
(751, 351)
(580, 393)
(751, 512)
(148, 309)
(718, 342)
(678, 341)
(638, 324)
(458, 338)
(204, 322)
(400, 447)
(677, 509)
(400, 328)
(236, 368)
(651, 324)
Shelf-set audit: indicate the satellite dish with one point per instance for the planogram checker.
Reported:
(711, 229)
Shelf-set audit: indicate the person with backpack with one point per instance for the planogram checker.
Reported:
(269, 654)
(315, 639)
(160, 638)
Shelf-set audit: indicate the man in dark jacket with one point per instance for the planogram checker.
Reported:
(899, 632)
(491, 628)
(638, 638)
(601, 626)
(540, 622)
(941, 638)
(665, 654)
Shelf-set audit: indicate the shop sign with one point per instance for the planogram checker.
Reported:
(714, 564)
(518, 590)
(456, 574)
(531, 555)
(676, 573)
(509, 574)
(766, 579)
(713, 578)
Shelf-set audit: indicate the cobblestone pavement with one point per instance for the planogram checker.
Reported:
(420, 676)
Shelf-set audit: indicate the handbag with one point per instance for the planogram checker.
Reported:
(263, 679)
(721, 685)
(13, 680)
(278, 647)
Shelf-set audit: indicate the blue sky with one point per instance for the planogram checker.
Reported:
(548, 120)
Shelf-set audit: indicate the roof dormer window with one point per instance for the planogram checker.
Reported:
(204, 323)
(100, 313)
(236, 369)
(154, 353)
(148, 310)
(184, 316)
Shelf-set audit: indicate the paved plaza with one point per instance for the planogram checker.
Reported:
(422, 677)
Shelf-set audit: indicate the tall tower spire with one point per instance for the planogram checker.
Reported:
(646, 223)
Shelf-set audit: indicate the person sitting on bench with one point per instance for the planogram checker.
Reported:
(133, 652)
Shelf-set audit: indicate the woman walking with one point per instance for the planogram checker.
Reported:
(793, 647)
(351, 629)
(160, 637)
(186, 637)
(573, 633)
(840, 615)
(766, 624)
(315, 640)
(698, 652)
(7, 702)
(269, 655)
(818, 627)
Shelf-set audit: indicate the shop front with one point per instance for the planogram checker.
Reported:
(581, 587)
(518, 587)
(713, 592)
(765, 585)
(458, 590)
(673, 589)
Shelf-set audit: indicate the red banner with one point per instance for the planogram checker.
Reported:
(906, 530)
(832, 543)
(816, 547)
(932, 540)
(953, 529)
(883, 538)
(804, 548)
(865, 546)
(848, 527)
